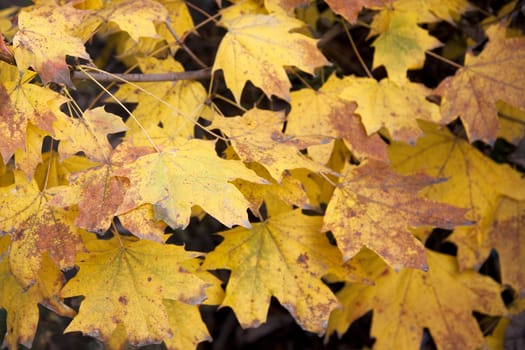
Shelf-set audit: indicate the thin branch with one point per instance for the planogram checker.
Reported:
(184, 47)
(443, 59)
(354, 47)
(140, 77)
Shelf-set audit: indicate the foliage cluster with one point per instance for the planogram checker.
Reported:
(343, 147)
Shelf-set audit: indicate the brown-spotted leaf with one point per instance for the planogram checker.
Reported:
(126, 280)
(257, 137)
(178, 178)
(98, 194)
(374, 206)
(507, 236)
(21, 104)
(471, 94)
(473, 182)
(36, 228)
(350, 9)
(285, 257)
(408, 301)
(47, 33)
(21, 303)
(257, 47)
(326, 114)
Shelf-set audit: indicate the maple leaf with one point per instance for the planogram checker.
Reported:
(142, 224)
(22, 104)
(433, 10)
(473, 182)
(179, 18)
(277, 196)
(36, 228)
(374, 206)
(89, 134)
(257, 137)
(393, 106)
(136, 17)
(285, 6)
(401, 44)
(350, 9)
(98, 194)
(46, 35)
(263, 44)
(165, 110)
(187, 325)
(324, 113)
(178, 178)
(285, 257)
(407, 301)
(28, 158)
(471, 94)
(511, 123)
(508, 226)
(135, 277)
(21, 303)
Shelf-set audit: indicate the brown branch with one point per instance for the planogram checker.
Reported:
(140, 77)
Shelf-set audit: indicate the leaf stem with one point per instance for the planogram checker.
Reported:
(121, 105)
(354, 47)
(441, 58)
(184, 47)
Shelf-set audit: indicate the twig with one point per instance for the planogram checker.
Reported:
(140, 77)
(184, 47)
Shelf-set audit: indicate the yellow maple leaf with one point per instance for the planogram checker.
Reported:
(48, 33)
(511, 123)
(401, 43)
(36, 228)
(471, 94)
(261, 45)
(88, 134)
(407, 301)
(178, 178)
(21, 303)
(136, 17)
(473, 182)
(187, 325)
(165, 110)
(374, 206)
(433, 10)
(393, 106)
(142, 224)
(326, 114)
(52, 172)
(179, 17)
(277, 196)
(21, 104)
(126, 280)
(285, 257)
(256, 136)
